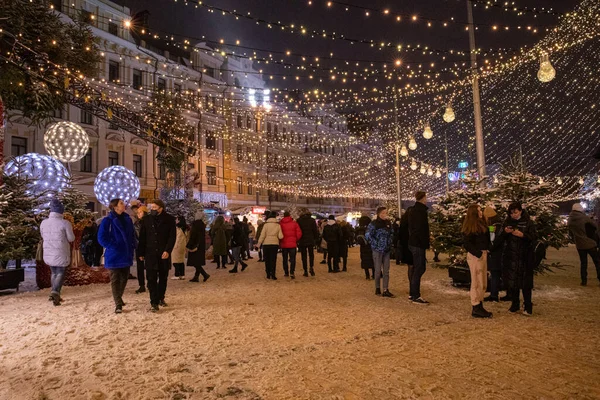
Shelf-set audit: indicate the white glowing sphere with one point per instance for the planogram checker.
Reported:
(449, 115)
(46, 175)
(427, 132)
(116, 182)
(66, 141)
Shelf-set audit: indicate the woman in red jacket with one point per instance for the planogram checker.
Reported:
(291, 235)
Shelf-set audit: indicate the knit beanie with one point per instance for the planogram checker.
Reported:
(57, 207)
(578, 207)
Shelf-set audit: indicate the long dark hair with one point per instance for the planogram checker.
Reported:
(181, 223)
(113, 204)
(473, 223)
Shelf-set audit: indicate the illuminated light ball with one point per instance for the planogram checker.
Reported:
(413, 166)
(412, 143)
(581, 181)
(427, 132)
(559, 181)
(438, 173)
(46, 175)
(429, 171)
(449, 115)
(66, 141)
(116, 182)
(404, 151)
(423, 169)
(546, 73)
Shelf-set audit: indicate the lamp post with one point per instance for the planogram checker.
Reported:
(397, 128)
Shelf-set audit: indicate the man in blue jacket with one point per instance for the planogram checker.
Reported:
(380, 236)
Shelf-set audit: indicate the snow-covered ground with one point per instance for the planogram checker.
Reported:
(328, 337)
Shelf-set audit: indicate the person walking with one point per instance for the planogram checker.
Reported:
(157, 239)
(260, 225)
(228, 236)
(323, 242)
(142, 211)
(495, 253)
(405, 254)
(418, 243)
(366, 253)
(332, 234)
(57, 234)
(380, 237)
(90, 248)
(346, 238)
(251, 237)
(477, 244)
(584, 232)
(238, 238)
(117, 235)
(218, 237)
(291, 235)
(269, 238)
(196, 247)
(178, 254)
(307, 242)
(519, 233)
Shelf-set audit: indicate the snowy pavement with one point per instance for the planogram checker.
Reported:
(328, 337)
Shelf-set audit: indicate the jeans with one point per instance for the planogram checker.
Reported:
(419, 267)
(270, 253)
(118, 282)
(291, 254)
(236, 252)
(221, 261)
(478, 268)
(308, 256)
(179, 269)
(57, 278)
(140, 273)
(157, 284)
(381, 261)
(333, 253)
(495, 283)
(583, 258)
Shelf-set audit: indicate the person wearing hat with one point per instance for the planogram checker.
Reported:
(494, 262)
(585, 235)
(332, 233)
(57, 234)
(379, 235)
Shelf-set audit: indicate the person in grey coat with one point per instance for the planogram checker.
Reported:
(584, 233)
(57, 234)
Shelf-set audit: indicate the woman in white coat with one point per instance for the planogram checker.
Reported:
(57, 234)
(178, 254)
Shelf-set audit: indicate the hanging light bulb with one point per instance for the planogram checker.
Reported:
(413, 165)
(449, 115)
(438, 173)
(541, 181)
(427, 132)
(546, 73)
(429, 172)
(598, 178)
(404, 151)
(423, 169)
(581, 181)
(559, 181)
(496, 179)
(412, 143)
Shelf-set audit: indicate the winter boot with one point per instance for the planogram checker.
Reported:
(515, 307)
(480, 312)
(244, 266)
(378, 292)
(195, 279)
(387, 293)
(56, 299)
(584, 282)
(312, 272)
(141, 289)
(206, 277)
(234, 270)
(305, 274)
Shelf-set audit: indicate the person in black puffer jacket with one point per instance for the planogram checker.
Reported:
(366, 253)
(477, 244)
(519, 234)
(306, 244)
(332, 233)
(495, 254)
(238, 238)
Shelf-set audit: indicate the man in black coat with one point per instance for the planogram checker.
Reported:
(332, 233)
(306, 244)
(418, 243)
(156, 242)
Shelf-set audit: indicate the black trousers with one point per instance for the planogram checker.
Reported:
(583, 258)
(417, 271)
(307, 253)
(179, 269)
(515, 295)
(157, 284)
(99, 250)
(221, 261)
(333, 254)
(118, 282)
(270, 254)
(291, 255)
(140, 273)
(200, 271)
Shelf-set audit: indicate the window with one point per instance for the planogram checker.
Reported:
(269, 127)
(256, 125)
(86, 117)
(57, 113)
(87, 17)
(240, 153)
(162, 172)
(249, 155)
(161, 84)
(137, 79)
(18, 146)
(86, 161)
(211, 141)
(249, 186)
(240, 123)
(249, 122)
(113, 158)
(239, 185)
(177, 88)
(137, 165)
(113, 28)
(113, 71)
(211, 175)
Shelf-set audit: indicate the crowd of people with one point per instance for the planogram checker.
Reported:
(156, 240)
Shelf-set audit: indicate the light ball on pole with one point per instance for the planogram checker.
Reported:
(66, 141)
(45, 175)
(449, 115)
(116, 182)
(427, 132)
